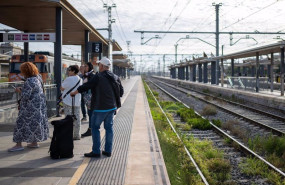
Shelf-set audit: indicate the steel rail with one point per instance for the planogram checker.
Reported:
(242, 146)
(250, 108)
(241, 105)
(267, 127)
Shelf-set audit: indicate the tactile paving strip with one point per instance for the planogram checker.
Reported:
(111, 170)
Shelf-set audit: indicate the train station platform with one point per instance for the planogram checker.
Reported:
(266, 98)
(136, 156)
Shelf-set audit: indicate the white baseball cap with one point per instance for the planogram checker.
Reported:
(105, 61)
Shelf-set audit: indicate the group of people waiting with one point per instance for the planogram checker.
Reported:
(100, 92)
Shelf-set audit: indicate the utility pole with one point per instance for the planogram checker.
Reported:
(110, 21)
(217, 6)
(128, 45)
(176, 53)
(164, 65)
(158, 68)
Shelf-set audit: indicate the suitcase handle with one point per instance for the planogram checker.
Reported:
(72, 107)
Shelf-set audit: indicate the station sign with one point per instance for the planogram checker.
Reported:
(28, 37)
(96, 47)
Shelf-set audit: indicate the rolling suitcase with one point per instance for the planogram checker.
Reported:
(62, 140)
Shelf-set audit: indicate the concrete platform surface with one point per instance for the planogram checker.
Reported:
(143, 160)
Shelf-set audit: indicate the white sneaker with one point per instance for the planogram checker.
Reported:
(15, 148)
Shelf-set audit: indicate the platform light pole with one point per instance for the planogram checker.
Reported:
(217, 6)
(110, 21)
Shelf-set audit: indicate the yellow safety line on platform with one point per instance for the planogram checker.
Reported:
(77, 175)
(79, 172)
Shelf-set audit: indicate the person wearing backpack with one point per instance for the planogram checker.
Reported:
(106, 89)
(66, 85)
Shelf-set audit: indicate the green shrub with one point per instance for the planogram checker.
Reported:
(275, 145)
(219, 169)
(170, 106)
(217, 122)
(155, 94)
(186, 114)
(253, 166)
(213, 153)
(199, 123)
(187, 127)
(228, 140)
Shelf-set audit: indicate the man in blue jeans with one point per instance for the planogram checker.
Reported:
(106, 89)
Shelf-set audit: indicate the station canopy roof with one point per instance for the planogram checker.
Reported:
(122, 60)
(262, 50)
(40, 16)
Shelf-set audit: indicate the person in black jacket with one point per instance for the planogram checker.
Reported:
(106, 89)
(88, 74)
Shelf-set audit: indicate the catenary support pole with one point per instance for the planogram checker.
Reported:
(282, 65)
(257, 72)
(271, 72)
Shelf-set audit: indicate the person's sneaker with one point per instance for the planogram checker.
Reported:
(87, 133)
(15, 149)
(91, 154)
(106, 154)
(76, 138)
(84, 119)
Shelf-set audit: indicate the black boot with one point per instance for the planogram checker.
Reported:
(87, 133)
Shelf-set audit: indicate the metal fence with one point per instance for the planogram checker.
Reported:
(248, 83)
(9, 104)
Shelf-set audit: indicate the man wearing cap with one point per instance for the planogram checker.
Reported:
(106, 91)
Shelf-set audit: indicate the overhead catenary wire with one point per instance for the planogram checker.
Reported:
(175, 5)
(249, 15)
(176, 18)
(242, 19)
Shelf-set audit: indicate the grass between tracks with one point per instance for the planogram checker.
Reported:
(179, 167)
(271, 147)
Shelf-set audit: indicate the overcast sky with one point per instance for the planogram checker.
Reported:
(181, 15)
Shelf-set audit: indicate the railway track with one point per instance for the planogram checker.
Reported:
(231, 154)
(266, 120)
(270, 111)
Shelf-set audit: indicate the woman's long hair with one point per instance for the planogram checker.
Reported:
(28, 69)
(90, 66)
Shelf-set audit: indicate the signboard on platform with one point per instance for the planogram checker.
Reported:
(28, 37)
(96, 47)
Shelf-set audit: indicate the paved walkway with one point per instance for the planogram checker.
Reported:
(141, 164)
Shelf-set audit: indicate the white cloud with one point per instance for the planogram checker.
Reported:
(198, 15)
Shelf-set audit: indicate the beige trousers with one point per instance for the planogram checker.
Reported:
(77, 122)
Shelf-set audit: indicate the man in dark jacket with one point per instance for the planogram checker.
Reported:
(106, 91)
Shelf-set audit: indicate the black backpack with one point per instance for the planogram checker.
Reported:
(117, 88)
(62, 141)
